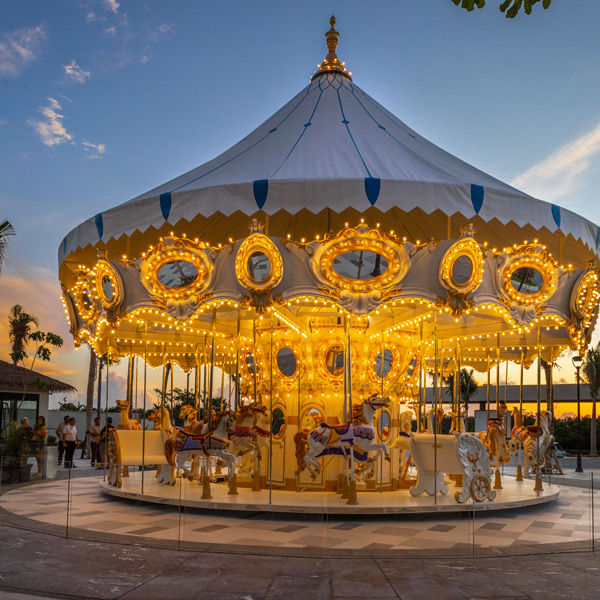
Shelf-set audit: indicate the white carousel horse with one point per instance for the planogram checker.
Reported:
(403, 441)
(162, 422)
(495, 438)
(215, 442)
(243, 436)
(353, 439)
(518, 431)
(434, 420)
(459, 421)
(536, 442)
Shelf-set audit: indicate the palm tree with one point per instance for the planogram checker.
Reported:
(19, 331)
(467, 384)
(6, 229)
(89, 405)
(590, 373)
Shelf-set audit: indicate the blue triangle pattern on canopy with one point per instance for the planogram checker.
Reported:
(260, 188)
(477, 195)
(556, 214)
(165, 205)
(99, 224)
(372, 189)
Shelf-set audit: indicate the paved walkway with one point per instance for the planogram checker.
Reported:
(51, 567)
(48, 565)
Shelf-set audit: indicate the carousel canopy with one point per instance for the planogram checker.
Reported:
(329, 155)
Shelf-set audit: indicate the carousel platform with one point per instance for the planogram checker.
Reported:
(514, 495)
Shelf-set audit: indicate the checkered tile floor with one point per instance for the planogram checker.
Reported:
(561, 523)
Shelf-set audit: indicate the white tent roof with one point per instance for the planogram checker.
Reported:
(331, 146)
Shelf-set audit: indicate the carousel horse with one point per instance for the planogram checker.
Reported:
(215, 442)
(518, 431)
(403, 441)
(459, 421)
(434, 420)
(353, 439)
(124, 421)
(243, 436)
(190, 415)
(162, 422)
(495, 438)
(536, 442)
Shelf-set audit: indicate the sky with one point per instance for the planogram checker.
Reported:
(101, 100)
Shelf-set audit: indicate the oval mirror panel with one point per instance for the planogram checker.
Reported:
(312, 419)
(527, 280)
(384, 425)
(360, 264)
(259, 266)
(86, 299)
(334, 360)
(278, 423)
(250, 362)
(107, 288)
(177, 274)
(383, 368)
(462, 269)
(286, 361)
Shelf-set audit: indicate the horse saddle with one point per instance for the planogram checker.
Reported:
(341, 430)
(533, 429)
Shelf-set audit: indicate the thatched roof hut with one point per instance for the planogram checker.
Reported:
(14, 377)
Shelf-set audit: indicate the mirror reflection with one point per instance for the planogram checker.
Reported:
(527, 280)
(334, 360)
(312, 419)
(250, 362)
(107, 288)
(360, 264)
(278, 423)
(286, 361)
(462, 269)
(382, 368)
(86, 296)
(259, 266)
(384, 425)
(177, 274)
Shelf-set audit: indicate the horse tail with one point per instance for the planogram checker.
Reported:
(301, 442)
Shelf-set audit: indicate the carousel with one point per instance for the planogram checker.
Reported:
(317, 277)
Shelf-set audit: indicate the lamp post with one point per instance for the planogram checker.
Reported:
(577, 360)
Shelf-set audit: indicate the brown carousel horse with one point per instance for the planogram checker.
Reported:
(495, 438)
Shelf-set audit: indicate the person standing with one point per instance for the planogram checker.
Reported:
(69, 435)
(59, 430)
(95, 431)
(38, 442)
(104, 434)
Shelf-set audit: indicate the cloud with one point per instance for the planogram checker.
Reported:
(51, 130)
(561, 172)
(19, 48)
(112, 5)
(3, 122)
(111, 31)
(94, 150)
(75, 72)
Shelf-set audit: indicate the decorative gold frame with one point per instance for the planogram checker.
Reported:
(105, 269)
(378, 421)
(258, 242)
(466, 246)
(534, 257)
(84, 282)
(279, 345)
(171, 249)
(365, 239)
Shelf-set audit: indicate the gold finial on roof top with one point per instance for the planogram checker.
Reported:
(331, 64)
